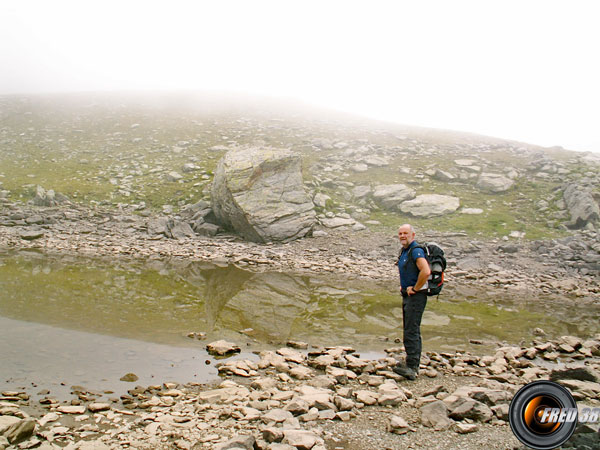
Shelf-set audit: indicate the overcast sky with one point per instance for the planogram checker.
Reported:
(526, 70)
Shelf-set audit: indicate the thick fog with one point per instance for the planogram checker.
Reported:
(527, 71)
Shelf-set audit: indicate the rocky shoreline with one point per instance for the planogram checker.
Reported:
(314, 398)
(568, 267)
(317, 398)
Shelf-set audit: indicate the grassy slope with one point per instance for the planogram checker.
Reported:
(120, 150)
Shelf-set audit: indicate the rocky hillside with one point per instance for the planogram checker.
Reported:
(148, 179)
(160, 154)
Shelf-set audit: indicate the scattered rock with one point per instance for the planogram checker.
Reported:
(300, 439)
(78, 409)
(398, 425)
(494, 182)
(465, 428)
(31, 235)
(222, 348)
(471, 409)
(435, 415)
(19, 431)
(242, 442)
(430, 205)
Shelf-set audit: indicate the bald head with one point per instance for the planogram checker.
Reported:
(406, 234)
(407, 226)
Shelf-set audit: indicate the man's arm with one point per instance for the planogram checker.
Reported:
(424, 273)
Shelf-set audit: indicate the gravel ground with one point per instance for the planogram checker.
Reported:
(369, 430)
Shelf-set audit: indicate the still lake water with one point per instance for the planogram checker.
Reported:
(68, 320)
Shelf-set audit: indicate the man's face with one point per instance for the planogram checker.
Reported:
(406, 236)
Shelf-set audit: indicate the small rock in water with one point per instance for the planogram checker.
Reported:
(197, 335)
(297, 344)
(129, 377)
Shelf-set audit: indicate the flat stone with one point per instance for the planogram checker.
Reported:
(327, 414)
(292, 355)
(222, 348)
(302, 440)
(464, 428)
(6, 422)
(435, 415)
(297, 344)
(276, 415)
(344, 416)
(343, 404)
(398, 425)
(264, 383)
(301, 373)
(20, 431)
(471, 409)
(272, 434)
(297, 407)
(222, 394)
(281, 447)
(366, 397)
(242, 442)
(322, 382)
(92, 445)
(97, 407)
(430, 205)
(31, 235)
(588, 388)
(472, 211)
(79, 409)
(336, 222)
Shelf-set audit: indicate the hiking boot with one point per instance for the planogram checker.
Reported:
(406, 372)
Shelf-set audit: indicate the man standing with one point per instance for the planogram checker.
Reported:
(414, 271)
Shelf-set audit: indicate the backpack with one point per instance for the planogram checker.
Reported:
(437, 264)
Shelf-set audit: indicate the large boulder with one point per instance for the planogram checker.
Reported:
(391, 195)
(430, 205)
(494, 182)
(582, 206)
(259, 194)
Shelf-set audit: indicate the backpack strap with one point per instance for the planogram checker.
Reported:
(411, 256)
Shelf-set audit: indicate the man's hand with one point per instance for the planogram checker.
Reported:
(411, 290)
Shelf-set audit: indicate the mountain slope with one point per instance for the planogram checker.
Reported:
(153, 151)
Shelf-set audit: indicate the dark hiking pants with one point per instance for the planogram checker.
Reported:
(412, 313)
